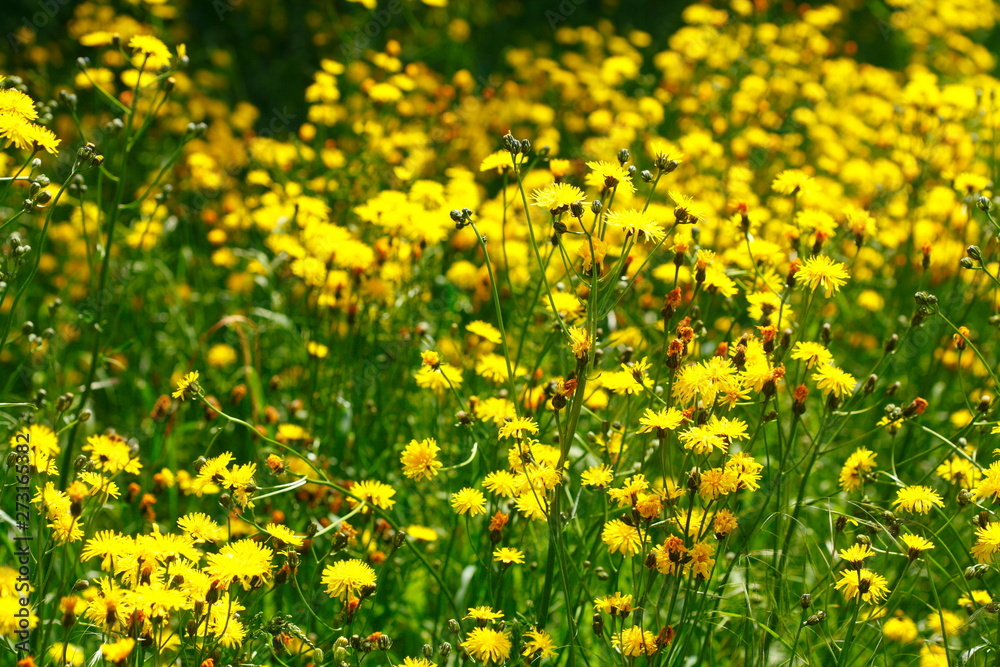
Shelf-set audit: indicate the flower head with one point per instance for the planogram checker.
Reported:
(346, 579)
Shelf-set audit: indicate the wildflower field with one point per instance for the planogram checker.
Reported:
(437, 333)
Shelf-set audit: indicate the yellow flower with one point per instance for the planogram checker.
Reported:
(187, 387)
(488, 645)
(871, 586)
(610, 175)
(419, 459)
(245, 561)
(916, 545)
(557, 197)
(347, 579)
(900, 629)
(833, 380)
(284, 535)
(151, 51)
(856, 553)
(814, 354)
(508, 555)
(484, 614)
(517, 427)
(469, 501)
(540, 643)
(621, 538)
(484, 330)
(791, 182)
(599, 476)
(636, 223)
(634, 642)
(374, 493)
(821, 271)
(918, 499)
(119, 651)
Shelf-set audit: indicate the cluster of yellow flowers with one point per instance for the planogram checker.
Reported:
(637, 336)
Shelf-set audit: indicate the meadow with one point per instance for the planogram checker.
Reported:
(438, 333)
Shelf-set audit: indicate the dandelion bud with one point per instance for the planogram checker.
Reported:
(576, 209)
(399, 539)
(632, 170)
(824, 334)
(890, 345)
(525, 146)
(984, 203)
(799, 399)
(454, 626)
(805, 601)
(444, 650)
(983, 519)
(601, 574)
(191, 628)
(870, 384)
(623, 156)
(816, 618)
(598, 625)
(964, 497)
(82, 63)
(596, 206)
(966, 263)
(44, 197)
(225, 500)
(975, 571)
(64, 401)
(646, 175)
(984, 403)
(974, 252)
(384, 642)
(509, 142)
(317, 656)
(893, 388)
(428, 651)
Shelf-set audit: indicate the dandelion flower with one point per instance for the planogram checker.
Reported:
(915, 545)
(508, 556)
(374, 493)
(918, 499)
(557, 197)
(821, 271)
(636, 223)
(469, 501)
(621, 538)
(484, 614)
(813, 353)
(517, 427)
(900, 629)
(609, 175)
(187, 387)
(666, 419)
(346, 579)
(118, 652)
(419, 459)
(871, 586)
(538, 642)
(856, 554)
(833, 380)
(488, 645)
(634, 642)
